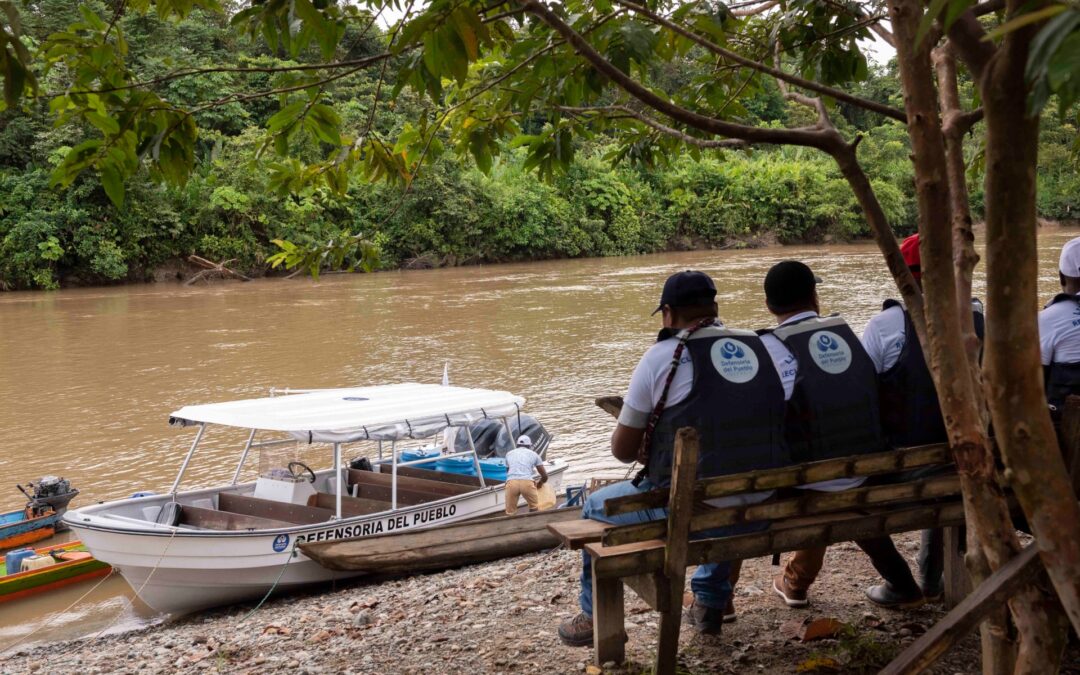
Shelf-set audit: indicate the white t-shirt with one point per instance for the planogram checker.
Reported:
(520, 463)
(788, 368)
(1059, 333)
(884, 336)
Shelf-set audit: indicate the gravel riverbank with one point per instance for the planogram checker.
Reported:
(501, 618)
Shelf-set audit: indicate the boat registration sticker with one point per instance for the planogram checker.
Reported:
(281, 542)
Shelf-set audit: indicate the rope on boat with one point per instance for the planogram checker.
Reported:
(57, 615)
(292, 554)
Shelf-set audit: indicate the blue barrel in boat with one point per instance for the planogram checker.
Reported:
(419, 453)
(13, 560)
(460, 465)
(494, 468)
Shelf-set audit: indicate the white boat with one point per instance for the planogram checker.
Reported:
(194, 549)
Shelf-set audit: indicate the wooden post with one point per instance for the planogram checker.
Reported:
(608, 619)
(957, 580)
(680, 511)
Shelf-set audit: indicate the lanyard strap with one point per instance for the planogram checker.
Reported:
(654, 418)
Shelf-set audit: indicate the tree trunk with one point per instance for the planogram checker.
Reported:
(1035, 469)
(985, 510)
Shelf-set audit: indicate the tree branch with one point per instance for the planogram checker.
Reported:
(968, 39)
(626, 111)
(817, 87)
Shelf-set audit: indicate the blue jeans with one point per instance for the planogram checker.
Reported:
(710, 582)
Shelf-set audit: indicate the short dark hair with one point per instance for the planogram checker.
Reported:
(691, 312)
(790, 286)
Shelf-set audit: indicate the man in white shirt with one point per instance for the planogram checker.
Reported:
(1059, 330)
(833, 411)
(698, 374)
(520, 464)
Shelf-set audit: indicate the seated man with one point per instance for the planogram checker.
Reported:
(832, 412)
(699, 374)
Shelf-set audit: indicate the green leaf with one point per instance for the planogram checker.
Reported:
(104, 123)
(113, 183)
(1025, 20)
(285, 117)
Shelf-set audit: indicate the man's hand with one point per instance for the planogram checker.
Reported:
(543, 476)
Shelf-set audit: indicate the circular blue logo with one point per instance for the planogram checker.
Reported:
(831, 353)
(281, 542)
(735, 361)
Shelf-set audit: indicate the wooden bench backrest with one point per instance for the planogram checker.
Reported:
(212, 519)
(298, 514)
(350, 506)
(439, 476)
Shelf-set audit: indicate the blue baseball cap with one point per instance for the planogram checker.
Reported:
(689, 288)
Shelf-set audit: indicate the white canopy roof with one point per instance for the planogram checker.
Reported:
(386, 412)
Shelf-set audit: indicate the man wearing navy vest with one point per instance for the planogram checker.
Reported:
(721, 382)
(910, 411)
(1059, 331)
(832, 412)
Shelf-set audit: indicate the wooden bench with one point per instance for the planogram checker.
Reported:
(652, 557)
(294, 514)
(440, 476)
(212, 519)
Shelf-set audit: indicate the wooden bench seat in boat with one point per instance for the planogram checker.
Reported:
(296, 514)
(350, 506)
(212, 519)
(421, 485)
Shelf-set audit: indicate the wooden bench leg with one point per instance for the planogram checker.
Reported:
(608, 620)
(667, 648)
(957, 581)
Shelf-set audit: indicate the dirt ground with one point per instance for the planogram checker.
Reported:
(501, 617)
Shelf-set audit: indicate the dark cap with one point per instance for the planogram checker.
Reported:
(687, 289)
(789, 283)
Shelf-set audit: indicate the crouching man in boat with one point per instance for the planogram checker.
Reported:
(520, 463)
(723, 383)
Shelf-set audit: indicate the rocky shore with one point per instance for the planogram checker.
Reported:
(501, 618)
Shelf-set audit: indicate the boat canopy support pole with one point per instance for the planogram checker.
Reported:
(337, 472)
(393, 478)
(243, 456)
(475, 458)
(183, 467)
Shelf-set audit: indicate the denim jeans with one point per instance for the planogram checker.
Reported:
(710, 582)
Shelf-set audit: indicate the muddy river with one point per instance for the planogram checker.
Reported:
(88, 377)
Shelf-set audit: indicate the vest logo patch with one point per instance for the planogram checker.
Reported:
(734, 360)
(830, 352)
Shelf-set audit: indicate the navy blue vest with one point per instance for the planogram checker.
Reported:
(910, 410)
(736, 403)
(833, 411)
(1062, 379)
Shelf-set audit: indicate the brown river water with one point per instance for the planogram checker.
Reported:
(88, 377)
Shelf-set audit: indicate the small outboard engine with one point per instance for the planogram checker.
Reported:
(49, 494)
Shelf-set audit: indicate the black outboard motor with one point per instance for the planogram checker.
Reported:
(49, 494)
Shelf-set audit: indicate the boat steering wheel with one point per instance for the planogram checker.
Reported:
(303, 468)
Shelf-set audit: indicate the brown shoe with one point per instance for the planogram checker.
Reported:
(791, 596)
(729, 611)
(705, 620)
(577, 632)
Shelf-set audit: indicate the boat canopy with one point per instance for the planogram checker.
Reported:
(385, 412)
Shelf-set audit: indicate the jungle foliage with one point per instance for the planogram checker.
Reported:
(231, 191)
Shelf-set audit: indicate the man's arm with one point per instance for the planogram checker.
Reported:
(1046, 337)
(626, 443)
(543, 474)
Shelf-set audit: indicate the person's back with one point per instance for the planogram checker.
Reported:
(521, 462)
(1059, 330)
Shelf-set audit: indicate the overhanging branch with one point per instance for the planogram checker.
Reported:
(626, 111)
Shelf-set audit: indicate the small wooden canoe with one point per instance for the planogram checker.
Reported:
(74, 564)
(21, 527)
(436, 548)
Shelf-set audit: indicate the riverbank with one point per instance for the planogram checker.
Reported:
(501, 618)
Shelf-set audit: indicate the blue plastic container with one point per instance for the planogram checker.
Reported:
(14, 559)
(494, 468)
(459, 465)
(419, 453)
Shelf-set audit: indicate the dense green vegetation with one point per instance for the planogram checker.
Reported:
(235, 205)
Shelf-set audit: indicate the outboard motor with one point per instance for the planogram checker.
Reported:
(49, 494)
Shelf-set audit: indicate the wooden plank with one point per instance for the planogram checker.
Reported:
(650, 588)
(350, 506)
(608, 619)
(791, 476)
(404, 497)
(998, 588)
(212, 519)
(805, 504)
(360, 553)
(576, 533)
(298, 514)
(680, 511)
(438, 476)
(422, 485)
(647, 556)
(957, 579)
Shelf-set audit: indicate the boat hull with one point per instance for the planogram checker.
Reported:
(33, 582)
(183, 571)
(18, 530)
